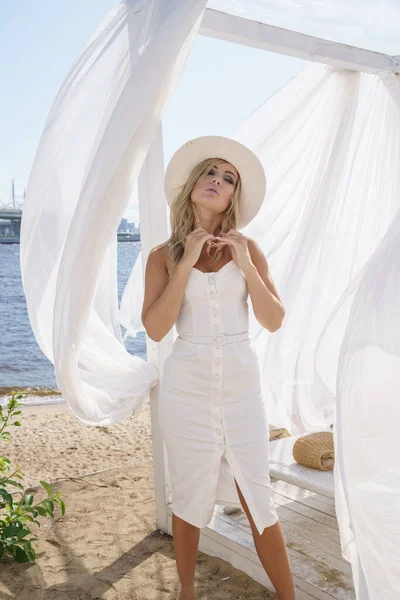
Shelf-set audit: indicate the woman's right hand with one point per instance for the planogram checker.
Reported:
(194, 245)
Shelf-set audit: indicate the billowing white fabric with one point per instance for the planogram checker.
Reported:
(211, 410)
(368, 413)
(329, 142)
(93, 146)
(329, 227)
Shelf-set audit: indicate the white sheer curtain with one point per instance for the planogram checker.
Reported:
(330, 226)
(367, 474)
(93, 146)
(329, 143)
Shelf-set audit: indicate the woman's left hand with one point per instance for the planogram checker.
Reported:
(237, 243)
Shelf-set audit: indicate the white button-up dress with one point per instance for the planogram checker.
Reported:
(212, 412)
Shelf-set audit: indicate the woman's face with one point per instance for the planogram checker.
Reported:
(213, 191)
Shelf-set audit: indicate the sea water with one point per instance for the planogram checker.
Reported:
(22, 363)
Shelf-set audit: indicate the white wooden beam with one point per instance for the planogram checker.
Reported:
(238, 30)
(153, 231)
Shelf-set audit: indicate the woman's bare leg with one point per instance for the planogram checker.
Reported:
(186, 543)
(271, 550)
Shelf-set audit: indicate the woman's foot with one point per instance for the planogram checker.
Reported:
(188, 594)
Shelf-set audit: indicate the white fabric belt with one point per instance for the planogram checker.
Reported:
(219, 339)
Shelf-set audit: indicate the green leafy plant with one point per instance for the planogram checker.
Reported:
(17, 515)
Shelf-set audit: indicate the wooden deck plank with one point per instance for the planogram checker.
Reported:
(306, 511)
(297, 532)
(306, 497)
(297, 536)
(305, 522)
(294, 530)
(284, 485)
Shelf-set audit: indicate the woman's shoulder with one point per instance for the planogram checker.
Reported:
(252, 243)
(159, 253)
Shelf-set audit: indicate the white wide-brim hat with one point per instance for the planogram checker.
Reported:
(248, 165)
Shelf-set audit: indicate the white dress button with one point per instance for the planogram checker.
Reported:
(217, 418)
(216, 392)
(215, 402)
(210, 279)
(217, 377)
(212, 294)
(217, 360)
(215, 312)
(215, 328)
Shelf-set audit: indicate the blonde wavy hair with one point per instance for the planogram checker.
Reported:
(182, 218)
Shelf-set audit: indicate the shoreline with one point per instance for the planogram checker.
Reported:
(37, 391)
(33, 396)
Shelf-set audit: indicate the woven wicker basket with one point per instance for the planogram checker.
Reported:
(315, 450)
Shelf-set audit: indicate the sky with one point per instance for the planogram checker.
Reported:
(222, 83)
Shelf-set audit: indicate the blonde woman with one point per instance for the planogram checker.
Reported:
(212, 413)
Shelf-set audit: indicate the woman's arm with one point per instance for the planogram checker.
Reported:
(267, 305)
(162, 296)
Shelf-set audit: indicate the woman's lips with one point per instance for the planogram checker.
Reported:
(212, 191)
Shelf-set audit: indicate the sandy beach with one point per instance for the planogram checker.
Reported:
(107, 544)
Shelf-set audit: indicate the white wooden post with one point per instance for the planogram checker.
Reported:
(392, 82)
(154, 230)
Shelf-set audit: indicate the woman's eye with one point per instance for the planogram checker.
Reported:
(228, 179)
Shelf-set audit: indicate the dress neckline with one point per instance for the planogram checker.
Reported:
(214, 272)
